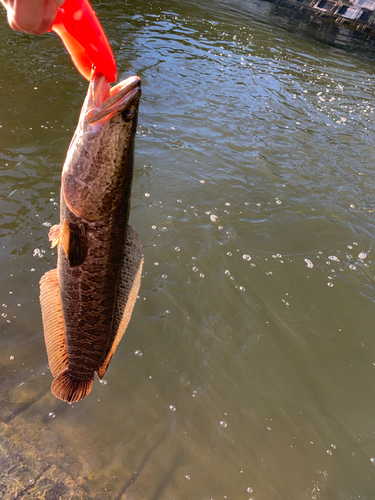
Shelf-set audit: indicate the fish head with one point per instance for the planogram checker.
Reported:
(103, 101)
(98, 169)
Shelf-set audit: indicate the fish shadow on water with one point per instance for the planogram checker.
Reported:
(149, 455)
(19, 408)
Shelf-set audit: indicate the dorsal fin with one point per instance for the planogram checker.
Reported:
(127, 292)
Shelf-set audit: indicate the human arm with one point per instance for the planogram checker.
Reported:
(31, 16)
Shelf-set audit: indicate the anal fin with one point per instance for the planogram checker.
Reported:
(53, 322)
(65, 386)
(130, 281)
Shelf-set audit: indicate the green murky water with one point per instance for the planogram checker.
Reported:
(248, 367)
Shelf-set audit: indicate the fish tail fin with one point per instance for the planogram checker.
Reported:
(70, 389)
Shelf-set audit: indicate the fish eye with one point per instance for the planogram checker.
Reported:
(127, 115)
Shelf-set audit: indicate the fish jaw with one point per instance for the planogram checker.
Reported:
(98, 168)
(105, 101)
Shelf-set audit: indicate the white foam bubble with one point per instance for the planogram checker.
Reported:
(333, 257)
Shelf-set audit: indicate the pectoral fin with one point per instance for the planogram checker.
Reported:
(74, 242)
(128, 288)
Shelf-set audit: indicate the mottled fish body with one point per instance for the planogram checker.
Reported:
(88, 300)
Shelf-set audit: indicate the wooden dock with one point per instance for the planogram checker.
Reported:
(355, 14)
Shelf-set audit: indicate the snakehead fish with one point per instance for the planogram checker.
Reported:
(88, 300)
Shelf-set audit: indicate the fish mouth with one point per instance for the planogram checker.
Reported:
(105, 101)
